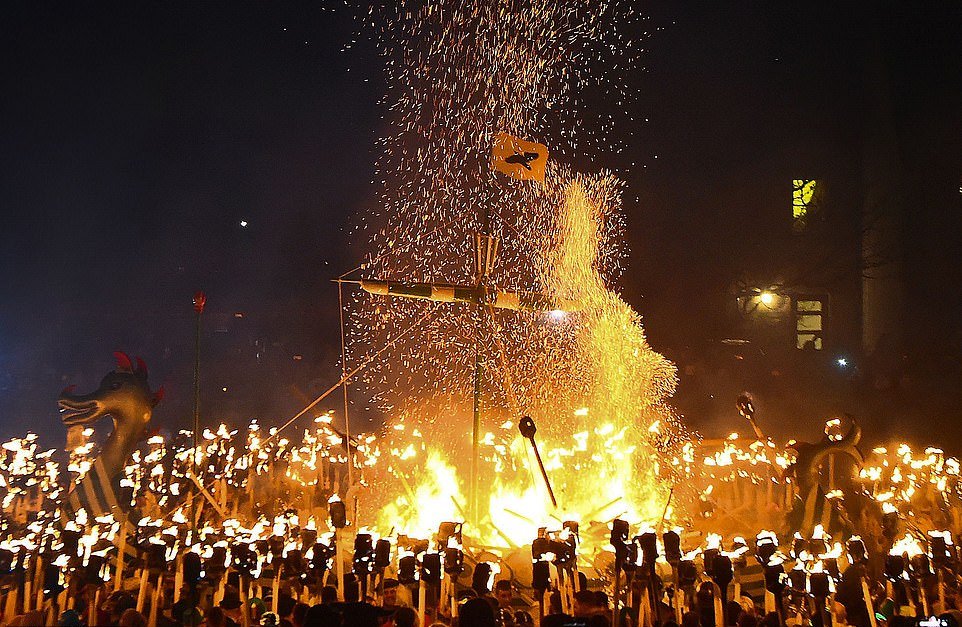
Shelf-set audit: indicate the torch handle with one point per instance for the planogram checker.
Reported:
(142, 592)
(867, 597)
(276, 588)
(616, 595)
(422, 600)
(544, 474)
(339, 557)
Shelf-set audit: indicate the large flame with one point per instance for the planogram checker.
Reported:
(597, 395)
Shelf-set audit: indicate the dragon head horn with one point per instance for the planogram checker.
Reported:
(123, 362)
(141, 367)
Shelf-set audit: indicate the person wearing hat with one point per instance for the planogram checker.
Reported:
(389, 592)
(116, 604)
(504, 592)
(69, 618)
(257, 608)
(184, 612)
(285, 610)
(231, 604)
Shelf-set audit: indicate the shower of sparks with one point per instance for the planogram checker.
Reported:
(457, 74)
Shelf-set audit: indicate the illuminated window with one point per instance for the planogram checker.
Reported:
(808, 324)
(803, 196)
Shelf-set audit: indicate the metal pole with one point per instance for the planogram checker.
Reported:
(347, 423)
(199, 301)
(476, 429)
(483, 260)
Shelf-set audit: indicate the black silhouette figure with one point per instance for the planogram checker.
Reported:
(522, 159)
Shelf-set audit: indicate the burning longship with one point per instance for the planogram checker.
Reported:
(502, 261)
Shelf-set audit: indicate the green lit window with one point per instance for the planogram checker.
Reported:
(809, 316)
(803, 196)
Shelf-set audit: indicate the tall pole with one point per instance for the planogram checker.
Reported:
(476, 429)
(347, 423)
(484, 259)
(199, 301)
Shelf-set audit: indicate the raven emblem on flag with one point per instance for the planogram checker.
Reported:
(519, 159)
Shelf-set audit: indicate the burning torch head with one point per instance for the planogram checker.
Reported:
(275, 544)
(721, 570)
(562, 551)
(52, 584)
(857, 553)
(406, 569)
(321, 556)
(541, 576)
(244, 559)
(745, 405)
(920, 566)
(708, 559)
(215, 565)
(799, 544)
(765, 547)
(308, 538)
(481, 579)
(6, 561)
(294, 562)
(363, 554)
(338, 513)
(894, 567)
(619, 531)
(941, 548)
(820, 584)
(192, 568)
(382, 554)
(687, 573)
(775, 578)
(527, 427)
(798, 579)
(156, 557)
(91, 572)
(890, 525)
(672, 543)
(540, 549)
(448, 530)
(431, 567)
(453, 561)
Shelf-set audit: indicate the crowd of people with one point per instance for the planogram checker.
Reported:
(505, 604)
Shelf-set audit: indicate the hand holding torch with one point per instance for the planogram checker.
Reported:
(672, 543)
(540, 570)
(338, 513)
(619, 540)
(382, 559)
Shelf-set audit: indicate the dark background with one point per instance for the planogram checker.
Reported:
(137, 136)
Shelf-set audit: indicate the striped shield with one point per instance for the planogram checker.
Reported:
(97, 494)
(818, 509)
(751, 578)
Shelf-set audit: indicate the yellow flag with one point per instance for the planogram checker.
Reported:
(518, 158)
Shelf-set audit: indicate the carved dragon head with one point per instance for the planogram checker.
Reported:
(811, 456)
(123, 395)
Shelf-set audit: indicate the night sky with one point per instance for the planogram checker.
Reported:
(138, 137)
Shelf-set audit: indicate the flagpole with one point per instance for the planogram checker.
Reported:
(347, 422)
(199, 301)
(483, 260)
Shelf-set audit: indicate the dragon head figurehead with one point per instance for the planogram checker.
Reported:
(811, 456)
(125, 396)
